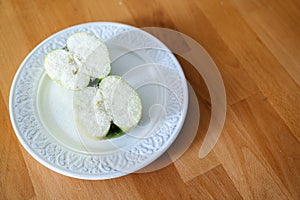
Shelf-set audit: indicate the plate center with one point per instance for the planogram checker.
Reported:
(54, 106)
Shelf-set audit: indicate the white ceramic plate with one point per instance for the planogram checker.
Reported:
(42, 117)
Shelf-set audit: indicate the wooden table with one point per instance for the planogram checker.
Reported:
(255, 45)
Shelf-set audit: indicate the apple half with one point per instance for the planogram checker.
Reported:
(84, 57)
(112, 109)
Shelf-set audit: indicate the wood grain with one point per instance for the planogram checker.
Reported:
(256, 47)
(14, 173)
(262, 66)
(215, 184)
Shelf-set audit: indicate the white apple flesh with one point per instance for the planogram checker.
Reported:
(115, 101)
(85, 57)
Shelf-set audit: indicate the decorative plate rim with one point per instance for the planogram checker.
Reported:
(89, 175)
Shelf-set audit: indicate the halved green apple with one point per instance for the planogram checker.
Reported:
(108, 110)
(114, 104)
(84, 57)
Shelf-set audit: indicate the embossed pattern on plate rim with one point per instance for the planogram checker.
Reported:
(45, 150)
